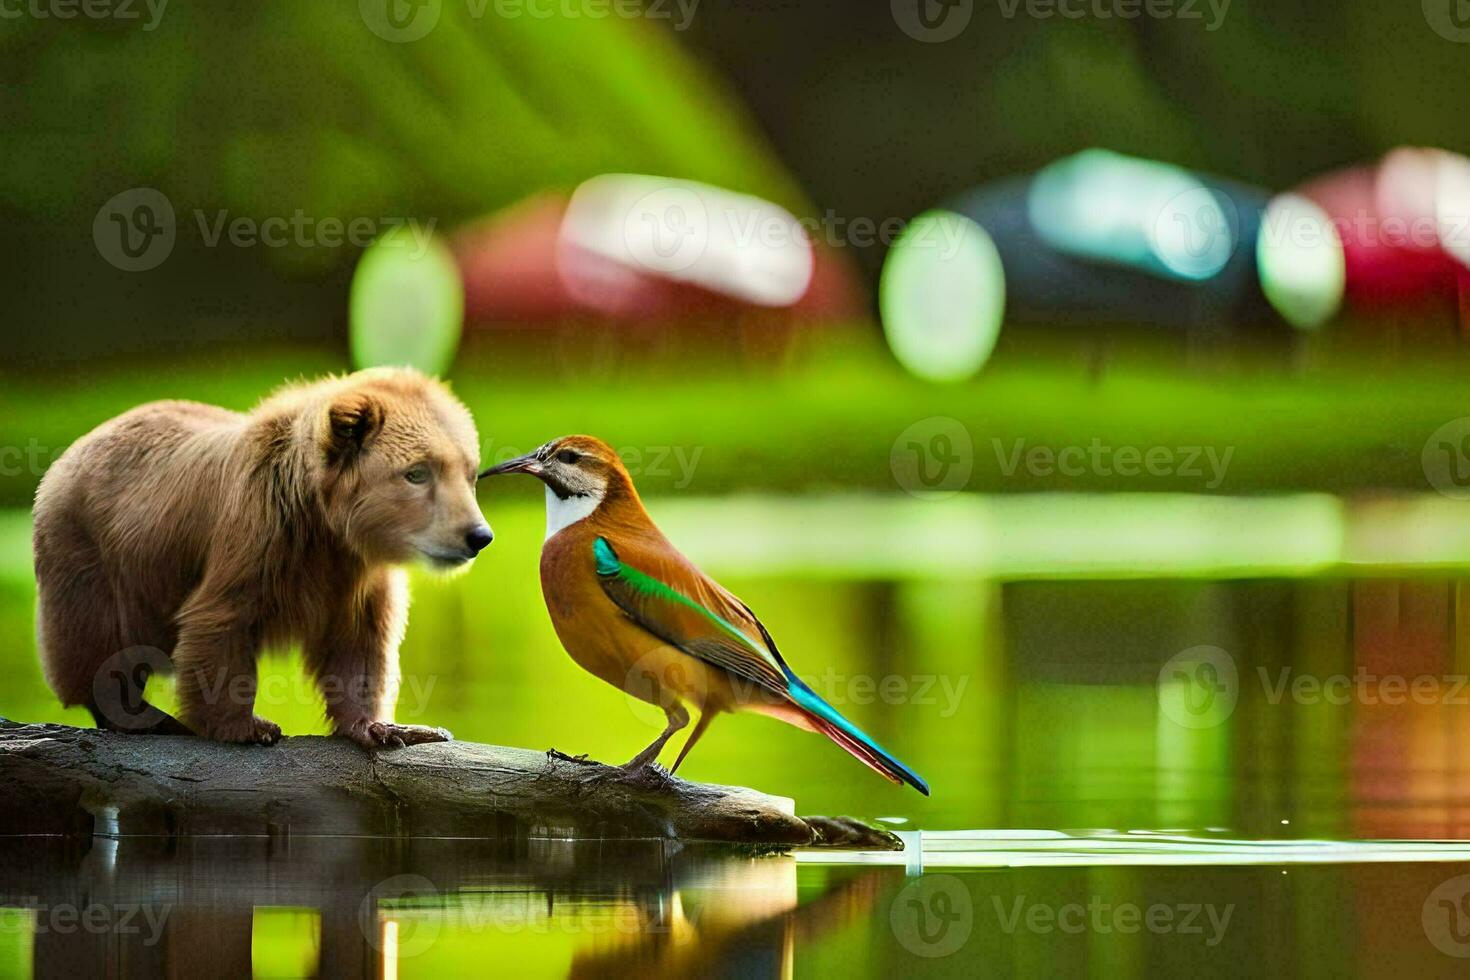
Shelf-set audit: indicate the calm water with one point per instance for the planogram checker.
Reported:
(140, 908)
(1295, 680)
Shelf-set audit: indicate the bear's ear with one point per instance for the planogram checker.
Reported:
(352, 421)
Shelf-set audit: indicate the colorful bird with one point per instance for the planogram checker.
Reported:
(632, 610)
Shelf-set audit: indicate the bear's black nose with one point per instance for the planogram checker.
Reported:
(477, 538)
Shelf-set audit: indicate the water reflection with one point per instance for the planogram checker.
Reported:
(364, 907)
(369, 908)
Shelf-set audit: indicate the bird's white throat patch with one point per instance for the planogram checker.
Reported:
(561, 513)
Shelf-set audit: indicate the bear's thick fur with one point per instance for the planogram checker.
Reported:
(185, 536)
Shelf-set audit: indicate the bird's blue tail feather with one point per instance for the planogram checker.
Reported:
(850, 737)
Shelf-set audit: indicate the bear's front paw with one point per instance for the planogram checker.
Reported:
(253, 730)
(386, 735)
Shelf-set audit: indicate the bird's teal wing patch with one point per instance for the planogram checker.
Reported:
(685, 623)
(607, 559)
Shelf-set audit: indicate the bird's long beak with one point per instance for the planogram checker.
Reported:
(521, 464)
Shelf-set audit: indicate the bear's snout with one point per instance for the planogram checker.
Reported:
(477, 537)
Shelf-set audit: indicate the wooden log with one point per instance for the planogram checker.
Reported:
(79, 782)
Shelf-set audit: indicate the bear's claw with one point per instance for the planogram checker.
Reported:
(387, 735)
(246, 731)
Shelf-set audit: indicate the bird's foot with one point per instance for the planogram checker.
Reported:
(644, 758)
(643, 769)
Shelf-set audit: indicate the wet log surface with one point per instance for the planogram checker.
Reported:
(77, 782)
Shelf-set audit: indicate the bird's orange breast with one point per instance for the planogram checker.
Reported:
(591, 627)
(604, 640)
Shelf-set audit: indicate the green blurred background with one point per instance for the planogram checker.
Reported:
(787, 423)
(1013, 632)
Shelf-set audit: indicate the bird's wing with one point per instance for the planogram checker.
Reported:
(681, 606)
(676, 602)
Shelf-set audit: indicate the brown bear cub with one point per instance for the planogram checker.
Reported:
(187, 533)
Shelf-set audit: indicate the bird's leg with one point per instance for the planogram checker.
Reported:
(705, 718)
(678, 718)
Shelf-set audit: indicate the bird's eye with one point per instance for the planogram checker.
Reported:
(418, 474)
(568, 456)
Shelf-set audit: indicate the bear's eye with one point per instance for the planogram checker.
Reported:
(568, 456)
(417, 474)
